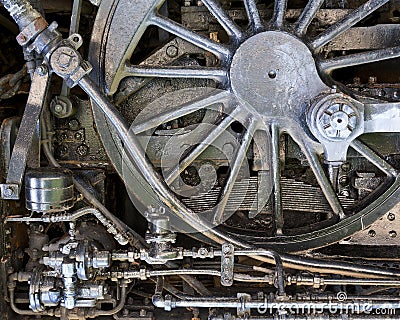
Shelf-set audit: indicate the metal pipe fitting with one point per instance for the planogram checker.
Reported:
(23, 312)
(118, 308)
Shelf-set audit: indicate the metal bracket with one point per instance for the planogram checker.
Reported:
(243, 311)
(227, 263)
(28, 128)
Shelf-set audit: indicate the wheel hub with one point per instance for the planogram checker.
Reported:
(338, 120)
(275, 73)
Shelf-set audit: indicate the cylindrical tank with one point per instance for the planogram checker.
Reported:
(49, 190)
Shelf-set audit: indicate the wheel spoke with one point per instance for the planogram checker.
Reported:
(322, 179)
(374, 158)
(359, 58)
(347, 22)
(206, 139)
(382, 117)
(253, 14)
(218, 49)
(176, 72)
(226, 22)
(234, 171)
(307, 16)
(276, 175)
(216, 96)
(279, 13)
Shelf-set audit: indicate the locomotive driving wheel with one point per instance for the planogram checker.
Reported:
(252, 83)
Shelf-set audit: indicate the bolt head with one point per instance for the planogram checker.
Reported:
(63, 151)
(61, 107)
(372, 233)
(22, 38)
(346, 167)
(78, 136)
(58, 108)
(64, 61)
(9, 191)
(82, 150)
(41, 70)
(272, 74)
(391, 216)
(226, 249)
(172, 51)
(392, 234)
(203, 251)
(372, 80)
(73, 124)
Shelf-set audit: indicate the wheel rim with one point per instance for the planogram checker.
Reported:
(231, 75)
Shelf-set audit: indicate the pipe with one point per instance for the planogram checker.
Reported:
(117, 309)
(239, 303)
(23, 312)
(362, 282)
(216, 273)
(122, 239)
(181, 272)
(191, 281)
(336, 267)
(21, 11)
(277, 260)
(311, 317)
(134, 239)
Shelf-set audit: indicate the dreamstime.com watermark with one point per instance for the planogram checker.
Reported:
(338, 305)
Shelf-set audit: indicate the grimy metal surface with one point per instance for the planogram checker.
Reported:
(251, 107)
(26, 134)
(289, 119)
